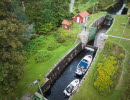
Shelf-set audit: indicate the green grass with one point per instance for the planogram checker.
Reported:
(94, 17)
(35, 70)
(82, 6)
(117, 30)
(87, 90)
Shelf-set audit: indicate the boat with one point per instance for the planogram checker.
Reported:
(71, 88)
(83, 65)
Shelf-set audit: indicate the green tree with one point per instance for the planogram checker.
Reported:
(11, 54)
(44, 12)
(18, 9)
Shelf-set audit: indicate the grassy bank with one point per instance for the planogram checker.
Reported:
(88, 91)
(94, 17)
(121, 90)
(117, 30)
(37, 69)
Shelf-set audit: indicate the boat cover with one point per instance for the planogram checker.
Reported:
(83, 63)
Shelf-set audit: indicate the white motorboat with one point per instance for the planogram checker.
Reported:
(71, 88)
(83, 65)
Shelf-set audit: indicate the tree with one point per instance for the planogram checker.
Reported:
(11, 53)
(18, 10)
(44, 12)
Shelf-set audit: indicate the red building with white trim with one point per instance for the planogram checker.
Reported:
(66, 25)
(81, 17)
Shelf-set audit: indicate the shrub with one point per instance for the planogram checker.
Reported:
(34, 36)
(22, 39)
(53, 46)
(106, 71)
(64, 35)
(46, 28)
(43, 56)
(109, 46)
(34, 45)
(121, 56)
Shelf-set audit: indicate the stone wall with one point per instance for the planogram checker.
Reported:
(58, 69)
(98, 22)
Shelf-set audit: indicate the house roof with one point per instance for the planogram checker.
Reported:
(66, 22)
(84, 14)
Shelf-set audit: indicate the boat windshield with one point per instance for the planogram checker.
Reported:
(69, 88)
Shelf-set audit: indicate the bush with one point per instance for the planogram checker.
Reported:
(34, 36)
(64, 35)
(121, 56)
(106, 70)
(34, 45)
(46, 28)
(42, 56)
(109, 46)
(22, 39)
(53, 46)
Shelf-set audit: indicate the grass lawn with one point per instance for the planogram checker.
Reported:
(87, 90)
(35, 70)
(83, 6)
(117, 30)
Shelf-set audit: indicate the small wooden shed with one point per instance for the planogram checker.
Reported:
(66, 25)
(81, 17)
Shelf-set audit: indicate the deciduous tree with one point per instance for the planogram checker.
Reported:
(11, 53)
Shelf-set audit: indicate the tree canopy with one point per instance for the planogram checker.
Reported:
(11, 53)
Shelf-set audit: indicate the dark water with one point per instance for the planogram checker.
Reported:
(56, 91)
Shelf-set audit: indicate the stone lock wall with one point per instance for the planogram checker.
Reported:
(98, 22)
(58, 69)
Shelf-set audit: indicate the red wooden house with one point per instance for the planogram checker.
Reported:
(81, 17)
(66, 25)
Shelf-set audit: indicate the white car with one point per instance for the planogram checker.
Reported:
(83, 65)
(71, 88)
